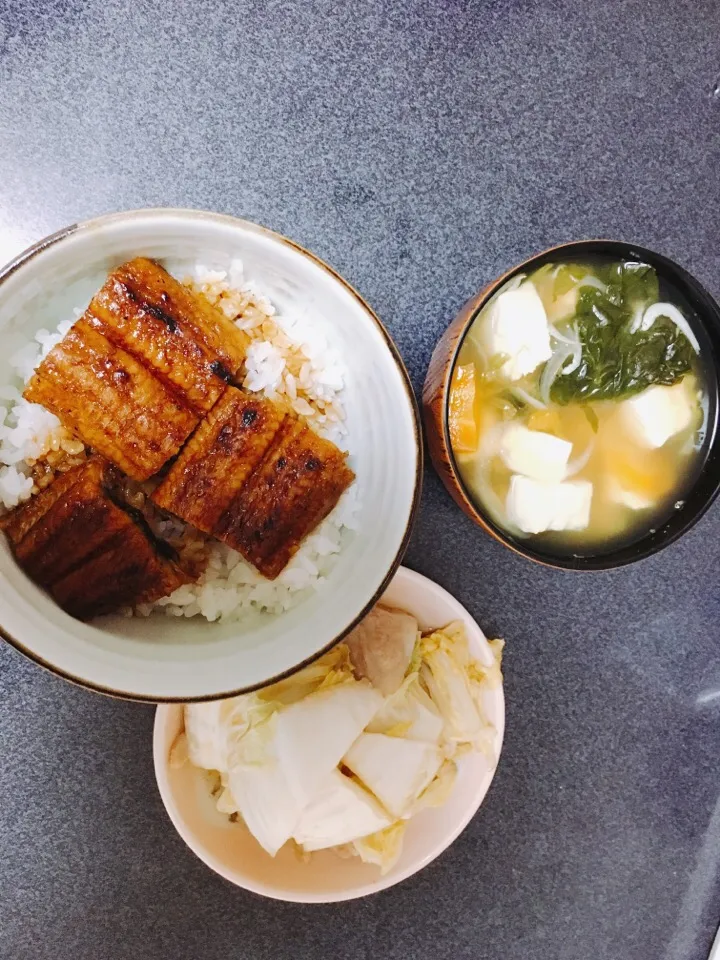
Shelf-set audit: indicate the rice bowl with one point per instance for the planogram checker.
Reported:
(299, 316)
(286, 359)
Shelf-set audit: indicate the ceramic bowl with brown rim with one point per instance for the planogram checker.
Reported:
(703, 315)
(162, 658)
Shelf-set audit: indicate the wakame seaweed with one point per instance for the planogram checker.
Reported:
(630, 283)
(617, 362)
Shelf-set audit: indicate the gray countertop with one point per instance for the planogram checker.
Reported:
(420, 148)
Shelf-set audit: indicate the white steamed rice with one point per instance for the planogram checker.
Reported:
(286, 359)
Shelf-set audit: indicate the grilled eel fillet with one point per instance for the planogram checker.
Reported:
(140, 368)
(186, 342)
(112, 402)
(90, 553)
(257, 478)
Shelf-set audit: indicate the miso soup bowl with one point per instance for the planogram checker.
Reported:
(163, 658)
(436, 394)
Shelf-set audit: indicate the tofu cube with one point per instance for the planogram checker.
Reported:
(516, 327)
(534, 506)
(628, 498)
(535, 454)
(658, 413)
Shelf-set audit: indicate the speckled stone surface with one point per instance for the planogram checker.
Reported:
(420, 148)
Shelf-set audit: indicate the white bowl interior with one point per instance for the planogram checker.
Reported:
(163, 658)
(230, 849)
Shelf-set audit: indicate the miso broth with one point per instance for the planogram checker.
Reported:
(579, 404)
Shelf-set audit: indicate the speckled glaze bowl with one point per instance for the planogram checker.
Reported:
(167, 659)
(442, 365)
